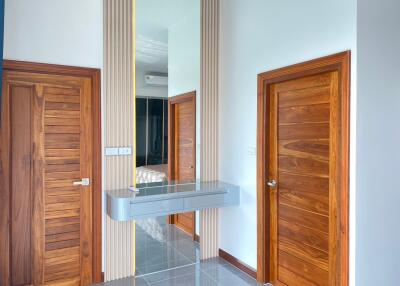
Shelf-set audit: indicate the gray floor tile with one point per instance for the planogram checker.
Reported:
(168, 256)
(156, 255)
(171, 273)
(173, 234)
(131, 281)
(228, 275)
(175, 248)
(187, 247)
(194, 279)
(213, 272)
(148, 244)
(212, 263)
(151, 268)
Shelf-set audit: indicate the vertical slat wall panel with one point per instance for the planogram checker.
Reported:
(209, 120)
(119, 129)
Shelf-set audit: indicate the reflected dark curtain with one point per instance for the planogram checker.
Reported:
(1, 49)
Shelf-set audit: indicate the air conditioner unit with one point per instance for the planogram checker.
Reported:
(156, 80)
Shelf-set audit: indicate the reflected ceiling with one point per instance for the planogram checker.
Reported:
(153, 19)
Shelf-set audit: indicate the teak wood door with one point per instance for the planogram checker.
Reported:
(49, 120)
(306, 176)
(182, 150)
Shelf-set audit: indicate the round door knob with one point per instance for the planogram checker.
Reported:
(272, 184)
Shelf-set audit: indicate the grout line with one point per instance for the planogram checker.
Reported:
(177, 250)
(172, 244)
(184, 260)
(209, 276)
(144, 275)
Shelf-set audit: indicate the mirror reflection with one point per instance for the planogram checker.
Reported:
(167, 124)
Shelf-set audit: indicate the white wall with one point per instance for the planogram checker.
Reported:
(184, 52)
(68, 32)
(257, 36)
(378, 141)
(148, 91)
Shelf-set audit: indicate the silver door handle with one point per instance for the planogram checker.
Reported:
(272, 184)
(83, 182)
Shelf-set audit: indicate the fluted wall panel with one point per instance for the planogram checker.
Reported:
(118, 107)
(209, 120)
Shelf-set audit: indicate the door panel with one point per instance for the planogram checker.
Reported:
(51, 146)
(68, 158)
(185, 221)
(21, 97)
(184, 133)
(184, 159)
(183, 150)
(302, 147)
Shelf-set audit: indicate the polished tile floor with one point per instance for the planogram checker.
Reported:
(160, 246)
(213, 272)
(167, 256)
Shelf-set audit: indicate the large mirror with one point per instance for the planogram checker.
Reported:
(167, 124)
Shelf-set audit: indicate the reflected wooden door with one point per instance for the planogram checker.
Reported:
(306, 177)
(182, 150)
(50, 123)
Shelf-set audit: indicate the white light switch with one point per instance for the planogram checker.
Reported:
(112, 151)
(125, 151)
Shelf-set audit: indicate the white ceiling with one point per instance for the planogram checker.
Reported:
(153, 19)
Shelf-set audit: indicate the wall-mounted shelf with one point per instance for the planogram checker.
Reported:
(159, 199)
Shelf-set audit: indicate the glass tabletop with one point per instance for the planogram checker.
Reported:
(172, 188)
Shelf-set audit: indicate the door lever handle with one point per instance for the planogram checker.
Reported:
(83, 182)
(272, 184)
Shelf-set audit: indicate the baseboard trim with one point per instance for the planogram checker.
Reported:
(196, 238)
(238, 264)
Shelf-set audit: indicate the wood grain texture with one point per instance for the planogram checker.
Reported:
(86, 231)
(182, 150)
(71, 235)
(288, 277)
(38, 225)
(318, 149)
(94, 75)
(79, 202)
(56, 110)
(60, 253)
(304, 131)
(310, 254)
(303, 166)
(306, 236)
(65, 228)
(303, 143)
(303, 218)
(304, 114)
(21, 188)
(293, 256)
(5, 185)
(303, 269)
(307, 97)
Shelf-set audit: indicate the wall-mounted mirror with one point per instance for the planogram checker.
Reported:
(167, 124)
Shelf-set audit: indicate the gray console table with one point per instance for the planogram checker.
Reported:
(159, 199)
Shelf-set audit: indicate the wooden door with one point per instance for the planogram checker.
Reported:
(182, 150)
(306, 155)
(51, 138)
